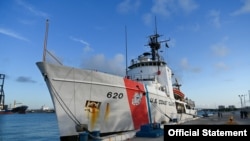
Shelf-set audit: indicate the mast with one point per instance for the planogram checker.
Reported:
(45, 40)
(45, 51)
(177, 84)
(126, 51)
(154, 44)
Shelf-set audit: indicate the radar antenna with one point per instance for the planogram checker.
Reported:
(154, 44)
(177, 84)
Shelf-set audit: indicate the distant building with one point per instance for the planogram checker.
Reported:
(221, 107)
(231, 107)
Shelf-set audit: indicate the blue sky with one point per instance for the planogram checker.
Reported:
(209, 43)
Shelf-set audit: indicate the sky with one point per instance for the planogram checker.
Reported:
(208, 48)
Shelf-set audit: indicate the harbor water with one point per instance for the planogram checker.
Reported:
(29, 127)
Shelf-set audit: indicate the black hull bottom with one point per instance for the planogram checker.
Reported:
(69, 138)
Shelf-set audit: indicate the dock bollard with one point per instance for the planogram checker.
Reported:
(83, 136)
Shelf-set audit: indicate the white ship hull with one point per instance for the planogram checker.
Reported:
(104, 102)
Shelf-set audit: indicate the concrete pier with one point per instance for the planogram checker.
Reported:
(227, 118)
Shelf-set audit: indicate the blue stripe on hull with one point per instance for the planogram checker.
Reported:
(148, 104)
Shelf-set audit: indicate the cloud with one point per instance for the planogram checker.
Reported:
(194, 27)
(128, 5)
(147, 18)
(221, 66)
(215, 18)
(245, 9)
(32, 10)
(25, 79)
(162, 7)
(220, 49)
(188, 5)
(187, 67)
(167, 7)
(184, 63)
(100, 63)
(12, 34)
(87, 47)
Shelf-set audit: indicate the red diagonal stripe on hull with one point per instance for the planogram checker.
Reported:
(138, 108)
